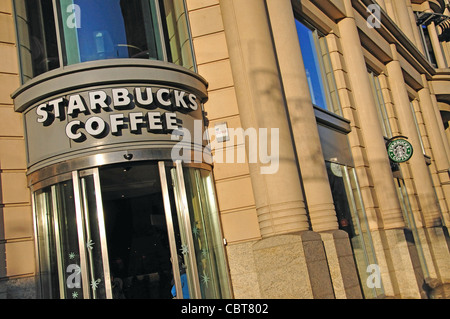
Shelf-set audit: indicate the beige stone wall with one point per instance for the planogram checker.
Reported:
(234, 189)
(16, 225)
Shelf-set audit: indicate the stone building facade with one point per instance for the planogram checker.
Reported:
(298, 194)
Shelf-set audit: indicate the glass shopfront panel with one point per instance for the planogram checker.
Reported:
(352, 219)
(131, 231)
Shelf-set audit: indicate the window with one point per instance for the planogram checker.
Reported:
(108, 29)
(319, 72)
(352, 219)
(429, 52)
(428, 22)
(416, 123)
(38, 48)
(86, 30)
(380, 104)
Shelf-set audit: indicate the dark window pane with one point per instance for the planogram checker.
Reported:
(37, 37)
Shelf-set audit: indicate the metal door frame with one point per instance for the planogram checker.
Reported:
(82, 226)
(183, 212)
(81, 209)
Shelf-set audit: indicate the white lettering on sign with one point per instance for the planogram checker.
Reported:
(68, 108)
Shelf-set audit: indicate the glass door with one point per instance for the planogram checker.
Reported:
(140, 231)
(131, 231)
(94, 263)
(163, 234)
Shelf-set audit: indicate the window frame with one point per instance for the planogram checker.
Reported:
(319, 55)
(164, 41)
(383, 116)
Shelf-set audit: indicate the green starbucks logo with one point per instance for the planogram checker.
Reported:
(400, 150)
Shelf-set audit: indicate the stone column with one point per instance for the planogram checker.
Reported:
(440, 123)
(302, 118)
(440, 59)
(391, 247)
(279, 201)
(415, 29)
(431, 216)
(375, 145)
(382, 4)
(423, 182)
(435, 137)
(403, 18)
(289, 261)
(309, 151)
(389, 4)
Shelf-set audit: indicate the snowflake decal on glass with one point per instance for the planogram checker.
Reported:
(184, 249)
(75, 295)
(90, 244)
(196, 231)
(95, 283)
(205, 253)
(72, 256)
(205, 279)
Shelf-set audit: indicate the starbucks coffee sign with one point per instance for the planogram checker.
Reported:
(97, 112)
(399, 150)
(152, 110)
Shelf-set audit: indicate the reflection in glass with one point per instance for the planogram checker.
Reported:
(58, 244)
(319, 71)
(410, 221)
(88, 30)
(380, 104)
(353, 220)
(48, 279)
(36, 32)
(68, 240)
(208, 245)
(177, 33)
(109, 29)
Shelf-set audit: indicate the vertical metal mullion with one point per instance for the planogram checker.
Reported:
(187, 225)
(60, 264)
(102, 231)
(189, 29)
(36, 245)
(349, 190)
(161, 30)
(58, 34)
(170, 230)
(88, 233)
(81, 237)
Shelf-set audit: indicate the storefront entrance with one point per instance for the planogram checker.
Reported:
(130, 230)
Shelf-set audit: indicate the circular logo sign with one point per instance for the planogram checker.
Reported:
(400, 151)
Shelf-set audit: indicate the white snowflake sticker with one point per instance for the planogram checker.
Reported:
(205, 279)
(90, 244)
(95, 283)
(184, 249)
(196, 231)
